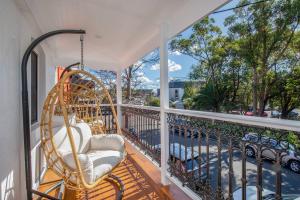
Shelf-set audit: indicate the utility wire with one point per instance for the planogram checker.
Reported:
(240, 6)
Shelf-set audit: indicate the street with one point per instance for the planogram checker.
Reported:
(290, 180)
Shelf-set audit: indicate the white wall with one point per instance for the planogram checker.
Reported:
(16, 32)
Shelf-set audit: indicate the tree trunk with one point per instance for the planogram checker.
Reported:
(128, 85)
(285, 106)
(262, 98)
(284, 113)
(254, 90)
(128, 89)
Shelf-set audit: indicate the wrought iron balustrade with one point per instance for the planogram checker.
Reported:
(142, 127)
(221, 156)
(108, 119)
(219, 159)
(105, 112)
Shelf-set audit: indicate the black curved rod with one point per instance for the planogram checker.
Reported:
(52, 188)
(25, 104)
(69, 67)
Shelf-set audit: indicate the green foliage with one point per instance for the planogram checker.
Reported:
(247, 65)
(188, 103)
(153, 101)
(293, 139)
(209, 98)
(189, 90)
(264, 32)
(287, 91)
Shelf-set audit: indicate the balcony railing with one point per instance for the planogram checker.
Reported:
(106, 113)
(219, 156)
(142, 126)
(108, 118)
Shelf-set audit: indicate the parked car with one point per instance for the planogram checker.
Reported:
(182, 132)
(133, 131)
(251, 194)
(250, 113)
(293, 114)
(190, 164)
(275, 114)
(235, 112)
(289, 156)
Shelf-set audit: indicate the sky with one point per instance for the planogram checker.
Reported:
(180, 65)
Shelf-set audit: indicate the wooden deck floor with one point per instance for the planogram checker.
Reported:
(140, 177)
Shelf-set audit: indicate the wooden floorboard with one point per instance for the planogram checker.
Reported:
(141, 179)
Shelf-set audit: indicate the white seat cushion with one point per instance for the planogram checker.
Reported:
(104, 161)
(86, 165)
(97, 154)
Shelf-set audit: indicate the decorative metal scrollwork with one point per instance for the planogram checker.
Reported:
(234, 139)
(140, 111)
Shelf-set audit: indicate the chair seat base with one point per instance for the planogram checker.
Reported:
(115, 180)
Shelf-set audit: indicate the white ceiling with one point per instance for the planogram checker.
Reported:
(119, 32)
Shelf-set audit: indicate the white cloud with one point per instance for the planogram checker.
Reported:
(147, 83)
(145, 79)
(155, 67)
(142, 78)
(139, 73)
(175, 53)
(173, 66)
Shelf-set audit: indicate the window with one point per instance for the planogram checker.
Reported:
(34, 87)
(176, 94)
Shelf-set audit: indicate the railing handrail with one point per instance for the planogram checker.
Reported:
(106, 105)
(142, 107)
(290, 125)
(284, 124)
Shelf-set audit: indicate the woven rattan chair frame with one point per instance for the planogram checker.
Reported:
(81, 93)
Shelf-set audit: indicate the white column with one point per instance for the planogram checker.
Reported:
(119, 95)
(164, 103)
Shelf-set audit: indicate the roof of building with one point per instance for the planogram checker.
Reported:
(181, 83)
(176, 84)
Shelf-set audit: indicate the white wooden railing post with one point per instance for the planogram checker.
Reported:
(119, 95)
(164, 102)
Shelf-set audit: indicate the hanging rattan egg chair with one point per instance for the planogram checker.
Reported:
(75, 139)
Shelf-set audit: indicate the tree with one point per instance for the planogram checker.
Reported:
(131, 76)
(264, 32)
(216, 62)
(109, 80)
(287, 91)
(246, 63)
(208, 99)
(190, 91)
(153, 101)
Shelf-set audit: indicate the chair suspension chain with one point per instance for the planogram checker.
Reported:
(81, 60)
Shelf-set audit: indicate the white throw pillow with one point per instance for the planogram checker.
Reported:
(107, 142)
